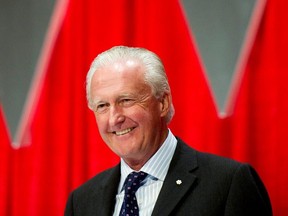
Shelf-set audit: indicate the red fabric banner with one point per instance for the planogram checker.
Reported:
(5, 167)
(260, 119)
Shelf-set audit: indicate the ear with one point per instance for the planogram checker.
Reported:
(165, 103)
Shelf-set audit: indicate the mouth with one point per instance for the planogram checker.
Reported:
(123, 132)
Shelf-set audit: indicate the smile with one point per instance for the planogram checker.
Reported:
(119, 133)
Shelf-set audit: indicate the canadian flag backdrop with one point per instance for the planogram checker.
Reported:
(59, 145)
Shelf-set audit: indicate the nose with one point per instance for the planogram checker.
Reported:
(116, 116)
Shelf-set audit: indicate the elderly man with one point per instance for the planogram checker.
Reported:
(128, 91)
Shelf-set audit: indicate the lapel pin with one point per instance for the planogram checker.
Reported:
(178, 182)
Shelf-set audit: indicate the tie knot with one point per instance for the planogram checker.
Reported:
(133, 181)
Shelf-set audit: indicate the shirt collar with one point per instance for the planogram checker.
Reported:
(157, 166)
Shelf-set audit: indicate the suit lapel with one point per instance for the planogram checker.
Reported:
(109, 191)
(178, 180)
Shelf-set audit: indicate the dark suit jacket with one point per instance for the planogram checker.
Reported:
(211, 185)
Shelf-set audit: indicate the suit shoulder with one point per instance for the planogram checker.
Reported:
(217, 160)
(97, 181)
(209, 161)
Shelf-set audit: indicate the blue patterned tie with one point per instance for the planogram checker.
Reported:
(132, 183)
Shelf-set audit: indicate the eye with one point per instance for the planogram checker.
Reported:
(102, 107)
(126, 102)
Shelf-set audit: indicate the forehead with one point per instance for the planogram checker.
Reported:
(124, 69)
(119, 77)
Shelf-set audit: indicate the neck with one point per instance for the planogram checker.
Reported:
(137, 164)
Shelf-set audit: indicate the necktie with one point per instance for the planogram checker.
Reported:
(132, 183)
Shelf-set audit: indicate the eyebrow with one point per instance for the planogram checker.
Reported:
(96, 100)
(126, 95)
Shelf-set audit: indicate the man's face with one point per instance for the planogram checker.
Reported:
(130, 119)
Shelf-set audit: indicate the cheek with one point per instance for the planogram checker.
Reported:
(101, 123)
(145, 118)
(138, 113)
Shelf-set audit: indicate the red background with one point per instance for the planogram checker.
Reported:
(60, 145)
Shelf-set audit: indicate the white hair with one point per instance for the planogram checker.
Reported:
(154, 72)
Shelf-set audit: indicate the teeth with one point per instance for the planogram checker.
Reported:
(119, 133)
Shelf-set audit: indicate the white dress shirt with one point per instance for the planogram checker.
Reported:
(156, 167)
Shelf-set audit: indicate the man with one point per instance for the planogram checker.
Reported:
(128, 91)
